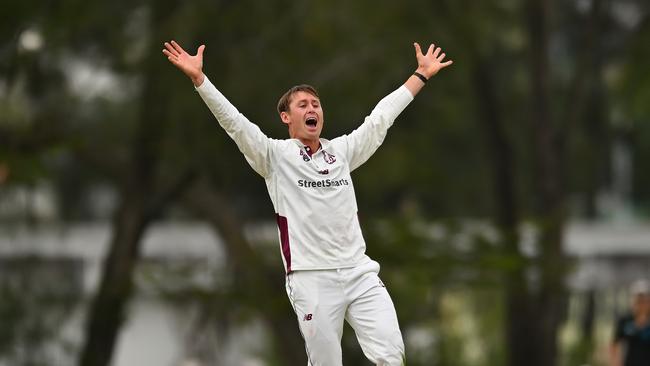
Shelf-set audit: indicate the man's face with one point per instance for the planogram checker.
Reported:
(304, 117)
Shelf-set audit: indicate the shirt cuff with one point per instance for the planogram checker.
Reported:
(403, 90)
(204, 85)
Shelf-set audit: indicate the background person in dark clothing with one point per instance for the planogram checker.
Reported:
(631, 343)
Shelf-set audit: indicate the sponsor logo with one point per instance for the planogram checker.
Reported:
(307, 317)
(324, 171)
(323, 183)
(329, 158)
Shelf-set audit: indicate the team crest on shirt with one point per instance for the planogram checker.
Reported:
(329, 158)
(305, 156)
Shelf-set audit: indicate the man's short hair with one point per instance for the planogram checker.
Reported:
(285, 100)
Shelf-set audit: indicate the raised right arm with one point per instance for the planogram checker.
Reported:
(252, 142)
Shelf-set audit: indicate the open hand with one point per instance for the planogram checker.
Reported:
(430, 63)
(192, 66)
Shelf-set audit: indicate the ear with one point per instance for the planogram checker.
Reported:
(284, 116)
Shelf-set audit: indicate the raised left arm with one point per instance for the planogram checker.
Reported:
(361, 143)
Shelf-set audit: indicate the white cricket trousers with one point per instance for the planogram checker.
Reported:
(322, 299)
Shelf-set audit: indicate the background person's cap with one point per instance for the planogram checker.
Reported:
(640, 287)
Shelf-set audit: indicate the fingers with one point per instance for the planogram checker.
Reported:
(436, 53)
(175, 50)
(432, 50)
(178, 47)
(169, 54)
(173, 59)
(447, 63)
(418, 50)
(170, 50)
(175, 62)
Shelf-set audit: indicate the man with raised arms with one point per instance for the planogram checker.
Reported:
(329, 278)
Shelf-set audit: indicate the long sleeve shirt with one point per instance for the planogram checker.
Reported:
(312, 192)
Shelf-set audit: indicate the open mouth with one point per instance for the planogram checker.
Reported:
(311, 122)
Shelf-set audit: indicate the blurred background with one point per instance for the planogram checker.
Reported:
(509, 205)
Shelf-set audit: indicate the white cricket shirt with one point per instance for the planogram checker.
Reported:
(312, 192)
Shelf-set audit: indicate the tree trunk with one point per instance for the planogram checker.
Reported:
(142, 199)
(546, 298)
(107, 311)
(520, 332)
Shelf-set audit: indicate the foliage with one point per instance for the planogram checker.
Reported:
(38, 296)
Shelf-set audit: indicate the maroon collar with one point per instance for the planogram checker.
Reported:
(309, 150)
